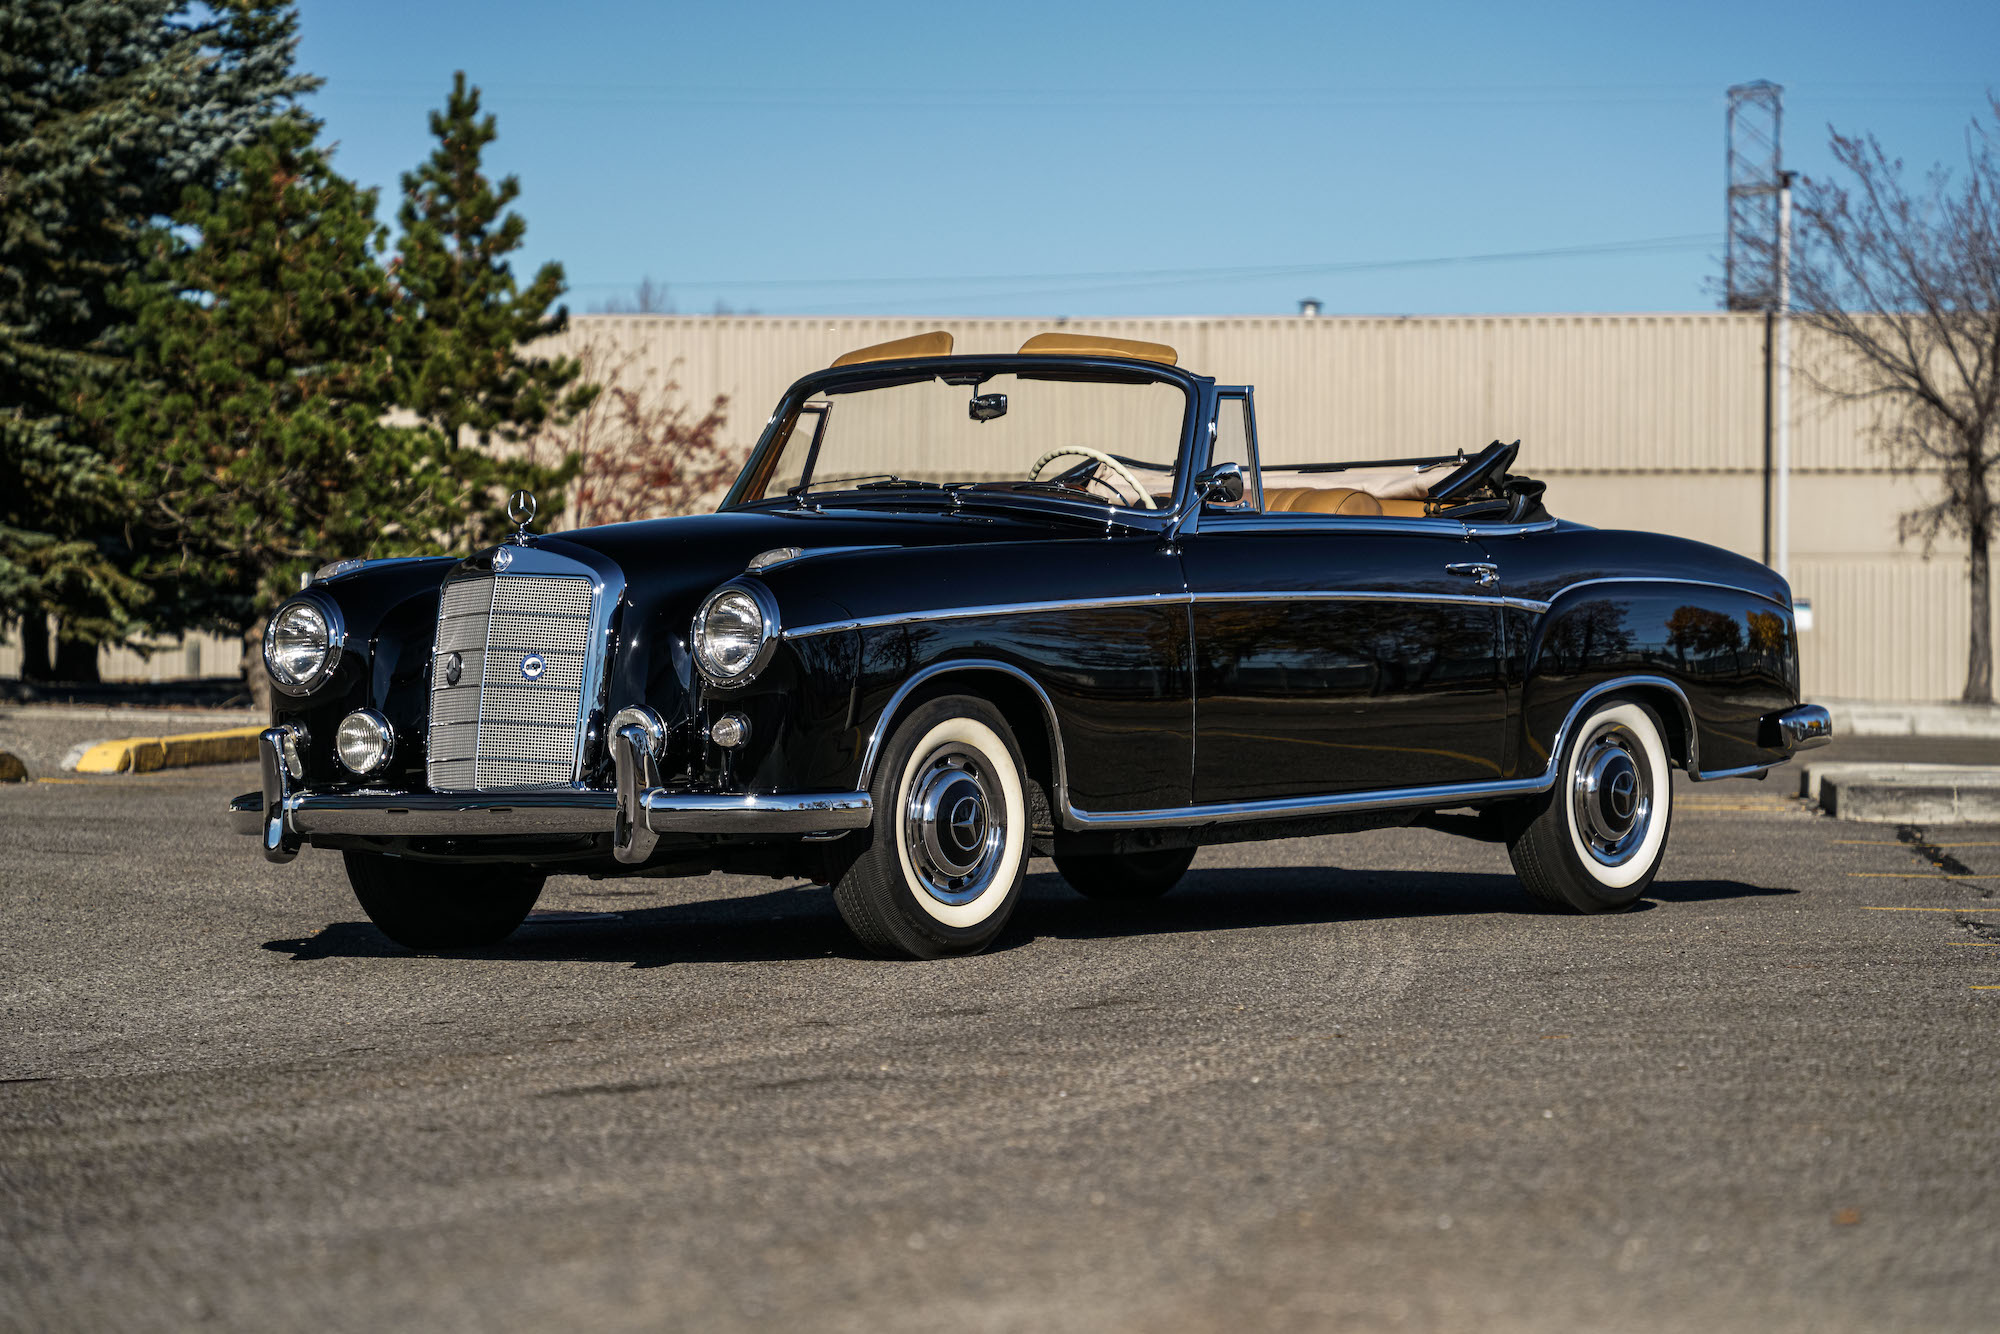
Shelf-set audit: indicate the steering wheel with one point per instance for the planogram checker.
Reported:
(1084, 451)
(1489, 463)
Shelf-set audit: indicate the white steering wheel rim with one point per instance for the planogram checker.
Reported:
(1085, 451)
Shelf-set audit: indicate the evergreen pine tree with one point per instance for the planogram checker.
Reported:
(464, 321)
(108, 110)
(257, 425)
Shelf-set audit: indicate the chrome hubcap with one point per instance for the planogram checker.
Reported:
(954, 826)
(1612, 794)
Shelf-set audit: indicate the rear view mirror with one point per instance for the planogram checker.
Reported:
(985, 407)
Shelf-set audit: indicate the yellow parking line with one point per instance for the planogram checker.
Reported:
(66, 780)
(1995, 987)
(1898, 843)
(1976, 944)
(1970, 907)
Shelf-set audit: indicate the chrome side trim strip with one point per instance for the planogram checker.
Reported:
(758, 813)
(1236, 812)
(1223, 524)
(1511, 529)
(1159, 600)
(989, 609)
(1667, 579)
(1748, 770)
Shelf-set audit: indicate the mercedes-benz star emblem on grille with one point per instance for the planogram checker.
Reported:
(533, 666)
(454, 667)
(502, 559)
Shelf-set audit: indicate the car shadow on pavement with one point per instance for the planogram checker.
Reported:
(799, 922)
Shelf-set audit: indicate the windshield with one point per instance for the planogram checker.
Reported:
(1112, 441)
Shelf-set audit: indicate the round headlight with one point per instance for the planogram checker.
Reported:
(733, 634)
(365, 741)
(299, 647)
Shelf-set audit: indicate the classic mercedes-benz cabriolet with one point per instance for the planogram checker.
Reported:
(960, 611)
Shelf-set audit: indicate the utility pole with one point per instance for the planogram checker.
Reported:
(1782, 372)
(1758, 194)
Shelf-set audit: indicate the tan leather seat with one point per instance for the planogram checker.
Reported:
(1405, 509)
(1320, 500)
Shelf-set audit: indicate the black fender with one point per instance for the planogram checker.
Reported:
(1712, 660)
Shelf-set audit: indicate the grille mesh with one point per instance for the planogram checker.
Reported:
(496, 730)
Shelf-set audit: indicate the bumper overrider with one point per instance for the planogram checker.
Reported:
(635, 814)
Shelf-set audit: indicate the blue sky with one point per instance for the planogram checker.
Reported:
(1136, 159)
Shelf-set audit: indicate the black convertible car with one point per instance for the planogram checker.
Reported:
(959, 611)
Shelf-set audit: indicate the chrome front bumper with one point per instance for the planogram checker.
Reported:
(635, 815)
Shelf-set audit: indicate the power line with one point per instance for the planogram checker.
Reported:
(1122, 280)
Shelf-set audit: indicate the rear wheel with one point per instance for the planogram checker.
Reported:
(943, 864)
(1126, 877)
(434, 906)
(1597, 843)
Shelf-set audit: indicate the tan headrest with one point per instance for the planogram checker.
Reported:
(1096, 345)
(937, 343)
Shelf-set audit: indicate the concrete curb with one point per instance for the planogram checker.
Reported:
(1860, 717)
(1919, 794)
(144, 754)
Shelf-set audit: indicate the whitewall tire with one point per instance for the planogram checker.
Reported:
(1599, 839)
(941, 869)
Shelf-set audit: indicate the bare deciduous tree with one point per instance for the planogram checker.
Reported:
(645, 453)
(1904, 278)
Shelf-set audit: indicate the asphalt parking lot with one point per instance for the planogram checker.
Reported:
(1352, 1083)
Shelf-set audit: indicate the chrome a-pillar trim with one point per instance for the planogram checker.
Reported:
(281, 844)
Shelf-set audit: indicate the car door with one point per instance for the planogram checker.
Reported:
(1335, 654)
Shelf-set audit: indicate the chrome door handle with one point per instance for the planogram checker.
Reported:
(1486, 575)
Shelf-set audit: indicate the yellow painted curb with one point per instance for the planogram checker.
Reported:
(143, 754)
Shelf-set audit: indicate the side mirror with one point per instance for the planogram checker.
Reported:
(1222, 483)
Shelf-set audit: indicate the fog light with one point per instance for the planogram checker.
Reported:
(730, 731)
(365, 741)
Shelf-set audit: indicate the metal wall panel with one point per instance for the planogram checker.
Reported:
(1651, 421)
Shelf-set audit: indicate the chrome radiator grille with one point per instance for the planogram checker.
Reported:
(510, 722)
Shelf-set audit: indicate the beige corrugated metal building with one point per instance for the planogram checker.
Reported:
(1641, 421)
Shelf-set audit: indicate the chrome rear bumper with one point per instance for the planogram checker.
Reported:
(1803, 726)
(635, 815)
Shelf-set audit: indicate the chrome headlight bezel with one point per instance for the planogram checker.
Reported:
(328, 614)
(712, 665)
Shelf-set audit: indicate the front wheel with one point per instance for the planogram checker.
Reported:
(432, 906)
(1599, 840)
(943, 864)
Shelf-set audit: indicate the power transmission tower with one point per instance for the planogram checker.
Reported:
(1756, 175)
